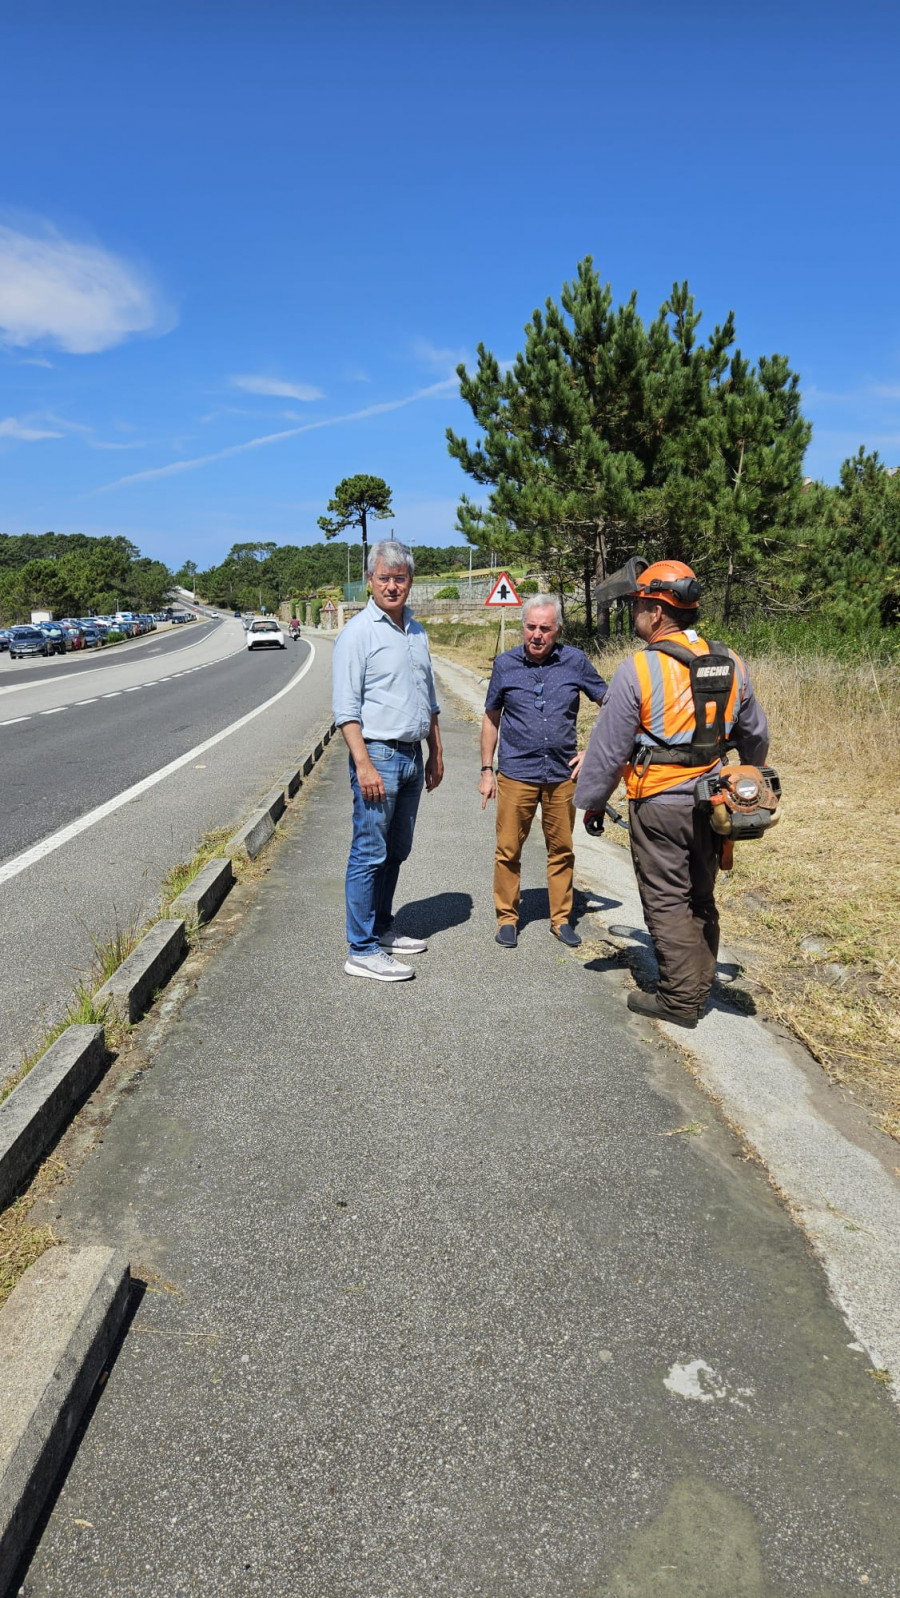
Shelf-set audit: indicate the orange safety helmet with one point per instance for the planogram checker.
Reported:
(670, 581)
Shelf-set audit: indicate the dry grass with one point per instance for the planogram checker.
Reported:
(182, 875)
(829, 870)
(20, 1242)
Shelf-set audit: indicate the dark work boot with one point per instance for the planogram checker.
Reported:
(649, 1004)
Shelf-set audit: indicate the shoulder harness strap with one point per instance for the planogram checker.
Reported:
(712, 676)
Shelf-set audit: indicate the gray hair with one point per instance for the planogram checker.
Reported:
(543, 602)
(392, 554)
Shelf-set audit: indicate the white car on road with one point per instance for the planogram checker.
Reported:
(265, 634)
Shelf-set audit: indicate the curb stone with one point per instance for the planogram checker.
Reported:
(275, 803)
(252, 837)
(202, 897)
(130, 987)
(44, 1101)
(259, 827)
(57, 1329)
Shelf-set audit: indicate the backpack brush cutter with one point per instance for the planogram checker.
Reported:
(740, 802)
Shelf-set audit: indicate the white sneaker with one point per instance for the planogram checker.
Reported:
(380, 967)
(400, 945)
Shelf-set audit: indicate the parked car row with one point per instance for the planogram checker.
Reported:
(73, 632)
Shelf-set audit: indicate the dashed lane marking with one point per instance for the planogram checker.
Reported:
(39, 851)
(117, 692)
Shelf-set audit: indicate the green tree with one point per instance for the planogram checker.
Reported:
(849, 565)
(355, 500)
(608, 437)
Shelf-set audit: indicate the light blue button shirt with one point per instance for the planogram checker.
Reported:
(382, 676)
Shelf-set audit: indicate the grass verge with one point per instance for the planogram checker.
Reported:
(21, 1243)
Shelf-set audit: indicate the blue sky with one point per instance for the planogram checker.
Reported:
(226, 221)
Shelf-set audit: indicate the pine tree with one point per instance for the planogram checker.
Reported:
(355, 500)
(607, 438)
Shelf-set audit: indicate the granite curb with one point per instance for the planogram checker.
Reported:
(57, 1329)
(259, 828)
(42, 1104)
(132, 985)
(203, 896)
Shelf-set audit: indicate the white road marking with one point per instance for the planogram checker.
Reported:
(153, 683)
(39, 851)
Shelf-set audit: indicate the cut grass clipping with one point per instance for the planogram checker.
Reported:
(812, 908)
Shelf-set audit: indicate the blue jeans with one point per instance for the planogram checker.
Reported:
(382, 839)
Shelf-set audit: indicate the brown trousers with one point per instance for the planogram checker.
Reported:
(675, 855)
(517, 803)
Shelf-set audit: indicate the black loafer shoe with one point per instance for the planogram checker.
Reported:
(567, 935)
(648, 1004)
(507, 936)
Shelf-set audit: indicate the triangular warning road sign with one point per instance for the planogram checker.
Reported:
(503, 592)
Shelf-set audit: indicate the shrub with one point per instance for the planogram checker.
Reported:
(450, 592)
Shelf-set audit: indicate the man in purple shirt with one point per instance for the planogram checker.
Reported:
(532, 706)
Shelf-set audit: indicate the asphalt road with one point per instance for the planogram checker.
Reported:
(62, 762)
(59, 762)
(458, 1286)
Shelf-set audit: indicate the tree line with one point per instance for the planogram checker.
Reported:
(255, 574)
(73, 574)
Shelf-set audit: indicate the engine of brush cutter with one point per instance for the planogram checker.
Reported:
(741, 801)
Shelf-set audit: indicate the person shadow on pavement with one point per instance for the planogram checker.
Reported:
(534, 905)
(424, 918)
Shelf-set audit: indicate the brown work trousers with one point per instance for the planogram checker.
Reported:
(517, 803)
(675, 854)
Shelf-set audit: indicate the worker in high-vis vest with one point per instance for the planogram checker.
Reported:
(648, 730)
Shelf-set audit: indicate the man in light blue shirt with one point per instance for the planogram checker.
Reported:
(384, 703)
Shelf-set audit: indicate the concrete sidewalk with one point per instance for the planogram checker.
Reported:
(458, 1285)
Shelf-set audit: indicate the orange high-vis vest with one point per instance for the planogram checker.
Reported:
(667, 714)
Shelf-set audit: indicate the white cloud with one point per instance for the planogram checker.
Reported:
(89, 434)
(77, 296)
(174, 467)
(276, 387)
(442, 360)
(13, 428)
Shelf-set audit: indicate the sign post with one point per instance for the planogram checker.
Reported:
(502, 594)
